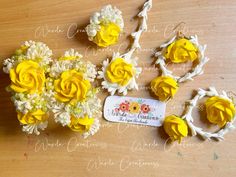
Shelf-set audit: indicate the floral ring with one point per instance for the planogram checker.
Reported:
(220, 110)
(179, 49)
(105, 26)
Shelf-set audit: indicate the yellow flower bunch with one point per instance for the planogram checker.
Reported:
(64, 86)
(27, 70)
(73, 99)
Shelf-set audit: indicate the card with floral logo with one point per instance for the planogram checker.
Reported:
(134, 110)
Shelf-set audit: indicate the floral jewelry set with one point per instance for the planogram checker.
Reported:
(64, 87)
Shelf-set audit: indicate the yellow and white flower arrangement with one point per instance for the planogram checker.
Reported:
(40, 85)
(28, 69)
(105, 26)
(179, 49)
(73, 99)
(120, 74)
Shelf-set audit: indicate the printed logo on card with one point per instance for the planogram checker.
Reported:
(134, 110)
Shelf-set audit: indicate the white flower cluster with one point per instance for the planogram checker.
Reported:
(25, 103)
(106, 15)
(219, 135)
(62, 112)
(30, 50)
(73, 62)
(197, 70)
(113, 87)
(132, 84)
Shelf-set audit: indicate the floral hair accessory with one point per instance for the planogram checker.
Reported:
(120, 74)
(72, 97)
(28, 69)
(179, 49)
(220, 110)
(105, 26)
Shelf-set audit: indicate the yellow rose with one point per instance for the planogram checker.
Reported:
(164, 87)
(182, 50)
(82, 124)
(27, 77)
(119, 71)
(175, 127)
(34, 117)
(71, 87)
(107, 35)
(134, 107)
(219, 110)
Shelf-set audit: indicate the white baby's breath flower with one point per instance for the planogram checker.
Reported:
(38, 50)
(34, 128)
(8, 65)
(73, 53)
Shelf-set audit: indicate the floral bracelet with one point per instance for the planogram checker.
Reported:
(220, 110)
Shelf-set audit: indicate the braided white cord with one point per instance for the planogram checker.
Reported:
(142, 28)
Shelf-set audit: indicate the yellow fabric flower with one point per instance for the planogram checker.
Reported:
(107, 35)
(27, 77)
(182, 50)
(71, 87)
(82, 124)
(175, 127)
(164, 87)
(134, 107)
(34, 117)
(119, 71)
(219, 110)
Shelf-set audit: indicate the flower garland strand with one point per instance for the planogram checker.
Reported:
(142, 28)
(120, 74)
(197, 130)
